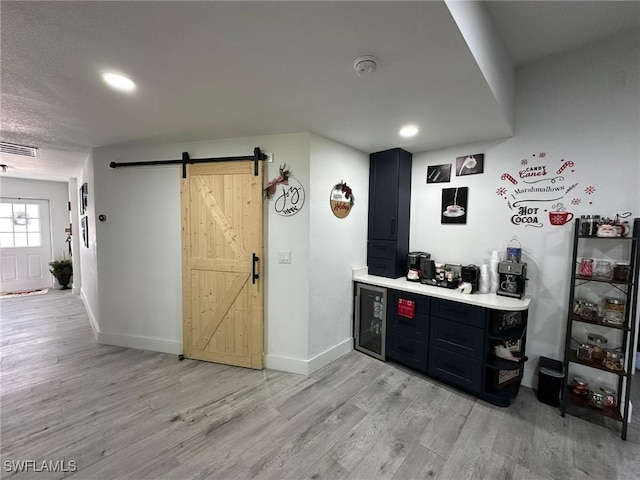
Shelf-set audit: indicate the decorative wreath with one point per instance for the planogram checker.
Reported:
(346, 189)
(270, 189)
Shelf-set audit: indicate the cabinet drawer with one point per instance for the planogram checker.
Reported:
(422, 302)
(459, 312)
(381, 249)
(382, 267)
(407, 351)
(416, 328)
(457, 337)
(455, 369)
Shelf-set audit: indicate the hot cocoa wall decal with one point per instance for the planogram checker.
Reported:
(541, 190)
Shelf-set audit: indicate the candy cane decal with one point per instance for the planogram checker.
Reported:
(506, 176)
(565, 165)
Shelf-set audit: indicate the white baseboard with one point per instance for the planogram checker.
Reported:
(329, 355)
(306, 367)
(92, 318)
(140, 342)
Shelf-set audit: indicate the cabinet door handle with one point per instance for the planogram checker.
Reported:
(393, 227)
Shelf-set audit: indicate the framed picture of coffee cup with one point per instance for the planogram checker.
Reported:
(470, 164)
(439, 173)
(454, 205)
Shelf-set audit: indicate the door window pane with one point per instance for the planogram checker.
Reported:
(6, 225)
(33, 225)
(5, 210)
(20, 239)
(20, 228)
(33, 211)
(6, 240)
(33, 239)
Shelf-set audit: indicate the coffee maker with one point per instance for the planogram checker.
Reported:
(413, 265)
(471, 274)
(428, 270)
(512, 277)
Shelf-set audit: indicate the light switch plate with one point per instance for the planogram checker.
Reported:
(284, 257)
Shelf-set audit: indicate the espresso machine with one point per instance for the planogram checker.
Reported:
(512, 277)
(471, 274)
(414, 265)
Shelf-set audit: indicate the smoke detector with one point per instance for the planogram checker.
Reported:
(365, 65)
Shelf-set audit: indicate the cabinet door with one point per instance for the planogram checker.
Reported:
(370, 322)
(383, 200)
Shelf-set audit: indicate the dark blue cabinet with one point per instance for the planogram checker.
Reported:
(389, 211)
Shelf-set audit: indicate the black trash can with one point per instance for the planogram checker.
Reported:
(550, 375)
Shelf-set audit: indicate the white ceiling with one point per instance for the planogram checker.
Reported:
(209, 70)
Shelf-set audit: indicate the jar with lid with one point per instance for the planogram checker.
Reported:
(585, 352)
(603, 270)
(580, 387)
(589, 225)
(610, 397)
(597, 399)
(621, 271)
(613, 311)
(598, 344)
(585, 309)
(586, 267)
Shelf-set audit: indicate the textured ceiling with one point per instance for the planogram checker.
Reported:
(209, 70)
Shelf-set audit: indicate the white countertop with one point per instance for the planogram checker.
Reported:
(486, 300)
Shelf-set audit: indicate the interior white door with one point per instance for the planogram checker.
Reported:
(25, 245)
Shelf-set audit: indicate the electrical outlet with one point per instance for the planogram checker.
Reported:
(284, 257)
(269, 157)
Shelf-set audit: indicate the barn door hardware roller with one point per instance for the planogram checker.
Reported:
(256, 157)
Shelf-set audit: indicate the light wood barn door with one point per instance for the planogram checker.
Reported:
(221, 236)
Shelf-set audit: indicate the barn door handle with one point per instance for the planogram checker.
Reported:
(254, 275)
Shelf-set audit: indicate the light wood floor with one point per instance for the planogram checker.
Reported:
(129, 414)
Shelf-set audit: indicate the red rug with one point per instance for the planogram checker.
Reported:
(26, 293)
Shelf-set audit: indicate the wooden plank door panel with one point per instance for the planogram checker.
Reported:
(222, 230)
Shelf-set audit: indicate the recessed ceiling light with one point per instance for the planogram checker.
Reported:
(119, 82)
(408, 131)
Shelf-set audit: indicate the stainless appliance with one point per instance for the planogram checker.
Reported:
(370, 329)
(512, 277)
(471, 274)
(413, 265)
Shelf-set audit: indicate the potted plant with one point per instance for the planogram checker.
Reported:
(62, 269)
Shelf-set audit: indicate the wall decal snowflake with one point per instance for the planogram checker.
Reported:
(589, 190)
(501, 191)
(576, 201)
(542, 154)
(524, 161)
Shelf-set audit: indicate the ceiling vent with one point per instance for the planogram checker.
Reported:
(15, 149)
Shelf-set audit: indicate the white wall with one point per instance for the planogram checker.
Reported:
(476, 26)
(336, 246)
(570, 107)
(57, 193)
(88, 255)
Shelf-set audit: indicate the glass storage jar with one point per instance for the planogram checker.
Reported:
(589, 225)
(596, 399)
(621, 271)
(613, 311)
(610, 397)
(585, 309)
(603, 270)
(598, 345)
(586, 267)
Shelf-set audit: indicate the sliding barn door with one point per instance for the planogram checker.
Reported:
(222, 263)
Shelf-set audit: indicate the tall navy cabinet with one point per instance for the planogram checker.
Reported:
(389, 209)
